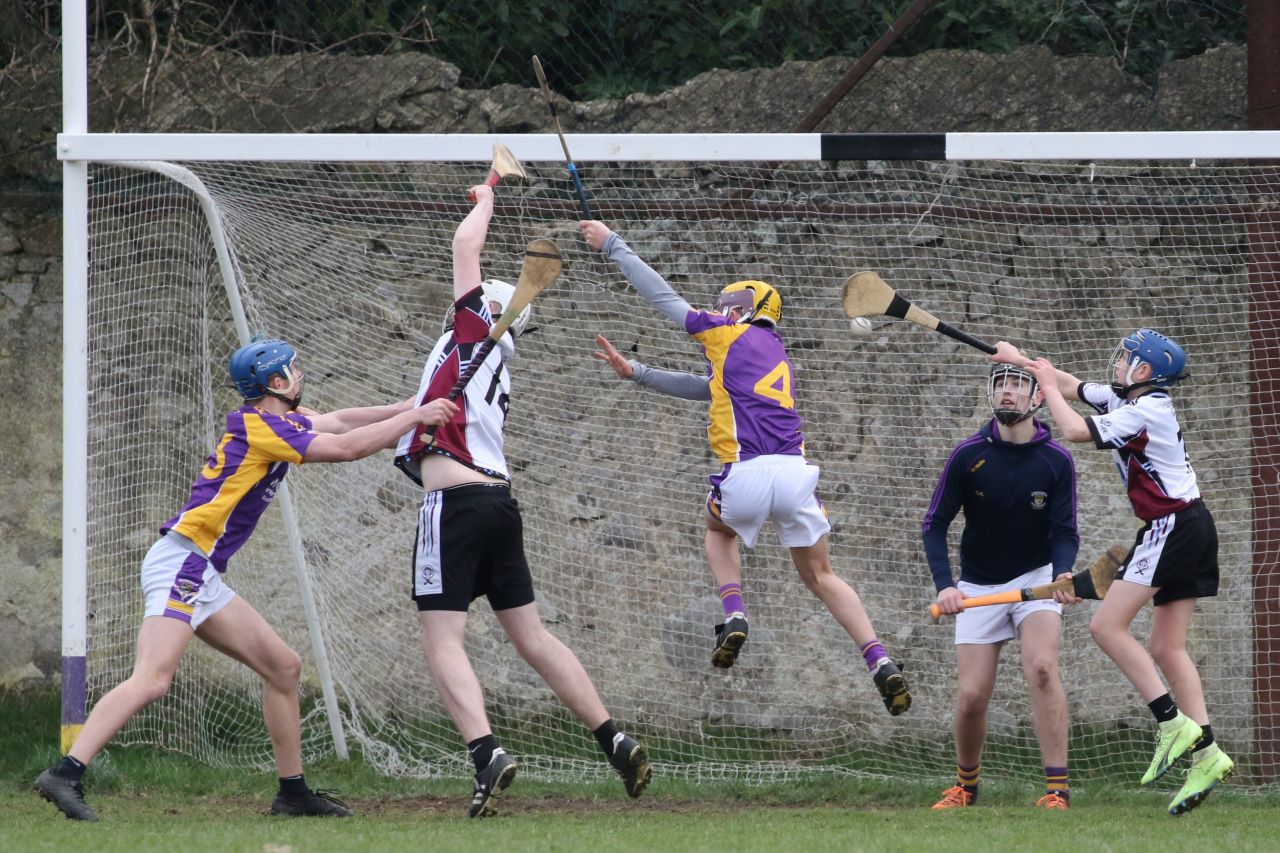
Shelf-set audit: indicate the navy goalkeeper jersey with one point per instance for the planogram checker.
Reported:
(1019, 503)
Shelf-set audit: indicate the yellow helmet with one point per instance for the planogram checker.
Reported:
(758, 301)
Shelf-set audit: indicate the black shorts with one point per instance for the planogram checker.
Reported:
(1177, 554)
(470, 542)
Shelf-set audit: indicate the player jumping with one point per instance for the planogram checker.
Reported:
(754, 429)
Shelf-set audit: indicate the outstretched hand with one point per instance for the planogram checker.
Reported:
(613, 358)
(1007, 353)
(1045, 373)
(594, 232)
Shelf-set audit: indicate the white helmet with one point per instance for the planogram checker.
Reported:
(496, 290)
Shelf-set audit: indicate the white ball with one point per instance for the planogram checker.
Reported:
(860, 326)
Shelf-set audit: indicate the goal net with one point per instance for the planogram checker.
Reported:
(351, 263)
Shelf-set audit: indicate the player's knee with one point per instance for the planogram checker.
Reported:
(534, 644)
(1165, 651)
(971, 701)
(285, 669)
(1041, 672)
(150, 687)
(1100, 630)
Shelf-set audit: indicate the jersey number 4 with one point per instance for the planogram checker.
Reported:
(776, 385)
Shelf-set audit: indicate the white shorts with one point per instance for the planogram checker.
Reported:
(999, 622)
(779, 488)
(181, 583)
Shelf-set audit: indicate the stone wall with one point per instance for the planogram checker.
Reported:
(1206, 92)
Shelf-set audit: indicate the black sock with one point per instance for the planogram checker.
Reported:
(1206, 738)
(294, 786)
(70, 768)
(481, 750)
(604, 735)
(1164, 708)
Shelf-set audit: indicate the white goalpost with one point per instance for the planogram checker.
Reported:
(177, 248)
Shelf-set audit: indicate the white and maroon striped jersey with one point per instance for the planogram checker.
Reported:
(474, 435)
(1146, 440)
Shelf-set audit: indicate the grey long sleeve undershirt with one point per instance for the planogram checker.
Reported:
(656, 291)
(646, 281)
(687, 386)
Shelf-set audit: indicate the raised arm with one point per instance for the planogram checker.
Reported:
(468, 241)
(1068, 385)
(687, 386)
(1070, 423)
(366, 440)
(643, 278)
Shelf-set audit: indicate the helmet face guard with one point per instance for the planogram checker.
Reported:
(1007, 380)
(757, 300)
(1167, 360)
(253, 365)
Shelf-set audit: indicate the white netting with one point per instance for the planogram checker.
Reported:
(351, 263)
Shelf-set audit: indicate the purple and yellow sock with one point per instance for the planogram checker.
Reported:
(873, 653)
(731, 599)
(1057, 781)
(967, 777)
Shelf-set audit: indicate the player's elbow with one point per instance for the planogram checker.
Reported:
(467, 244)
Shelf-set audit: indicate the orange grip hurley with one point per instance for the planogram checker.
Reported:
(1092, 583)
(1013, 596)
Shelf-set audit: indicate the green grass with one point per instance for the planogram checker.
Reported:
(153, 800)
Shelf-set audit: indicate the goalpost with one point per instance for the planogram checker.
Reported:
(1060, 242)
(349, 259)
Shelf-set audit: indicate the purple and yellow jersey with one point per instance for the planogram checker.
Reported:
(753, 409)
(239, 480)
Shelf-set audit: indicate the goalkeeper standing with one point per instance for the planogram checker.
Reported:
(754, 429)
(1017, 489)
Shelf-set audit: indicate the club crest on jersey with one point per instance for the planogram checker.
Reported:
(1039, 500)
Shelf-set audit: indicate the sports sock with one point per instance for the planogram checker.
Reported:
(70, 768)
(294, 786)
(874, 654)
(1057, 781)
(1164, 708)
(604, 735)
(731, 599)
(481, 750)
(967, 778)
(1206, 738)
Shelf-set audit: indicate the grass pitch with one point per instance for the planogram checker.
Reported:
(153, 800)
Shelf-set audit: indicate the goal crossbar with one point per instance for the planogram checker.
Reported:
(668, 147)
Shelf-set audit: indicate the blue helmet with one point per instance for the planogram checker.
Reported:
(1168, 361)
(253, 365)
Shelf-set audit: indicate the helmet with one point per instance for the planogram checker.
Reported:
(1168, 361)
(253, 365)
(496, 290)
(758, 301)
(1026, 387)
